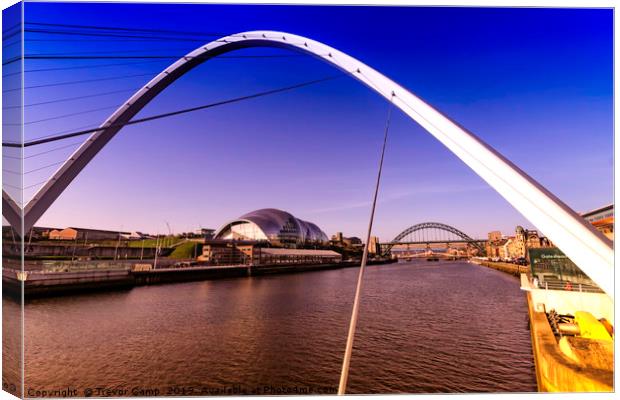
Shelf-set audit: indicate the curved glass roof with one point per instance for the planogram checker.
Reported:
(275, 225)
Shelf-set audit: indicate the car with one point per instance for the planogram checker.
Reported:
(521, 261)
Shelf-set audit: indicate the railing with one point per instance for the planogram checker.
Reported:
(567, 286)
(68, 266)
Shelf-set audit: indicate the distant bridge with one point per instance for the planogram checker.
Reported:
(430, 255)
(428, 233)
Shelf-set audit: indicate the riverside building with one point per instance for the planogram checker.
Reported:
(603, 219)
(268, 236)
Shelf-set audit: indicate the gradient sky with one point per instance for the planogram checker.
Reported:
(536, 84)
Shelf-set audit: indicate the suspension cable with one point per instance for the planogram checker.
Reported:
(119, 35)
(91, 66)
(75, 82)
(173, 113)
(344, 375)
(120, 28)
(73, 98)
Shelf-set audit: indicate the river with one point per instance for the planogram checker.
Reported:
(424, 327)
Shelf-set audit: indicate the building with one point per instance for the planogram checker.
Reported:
(527, 239)
(73, 233)
(516, 246)
(35, 233)
(228, 252)
(271, 256)
(374, 246)
(266, 237)
(603, 219)
(340, 240)
(247, 252)
(207, 233)
(498, 248)
(62, 234)
(495, 236)
(276, 227)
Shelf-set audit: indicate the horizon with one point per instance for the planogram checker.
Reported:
(504, 234)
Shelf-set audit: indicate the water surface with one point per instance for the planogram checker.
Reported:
(424, 327)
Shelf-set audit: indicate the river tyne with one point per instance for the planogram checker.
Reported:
(424, 327)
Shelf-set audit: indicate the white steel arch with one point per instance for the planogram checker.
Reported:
(583, 244)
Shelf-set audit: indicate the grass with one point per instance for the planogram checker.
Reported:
(186, 250)
(168, 242)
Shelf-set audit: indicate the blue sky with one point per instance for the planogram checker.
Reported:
(536, 84)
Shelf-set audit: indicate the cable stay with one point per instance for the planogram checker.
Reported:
(151, 73)
(174, 113)
(120, 35)
(42, 152)
(112, 52)
(73, 114)
(136, 57)
(110, 78)
(82, 56)
(61, 100)
(344, 375)
(90, 66)
(118, 28)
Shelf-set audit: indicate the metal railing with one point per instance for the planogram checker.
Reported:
(566, 286)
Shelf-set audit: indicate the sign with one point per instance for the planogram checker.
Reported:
(550, 264)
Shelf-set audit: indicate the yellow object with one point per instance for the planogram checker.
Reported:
(608, 326)
(590, 327)
(565, 348)
(588, 353)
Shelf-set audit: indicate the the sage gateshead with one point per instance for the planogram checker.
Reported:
(279, 228)
(267, 237)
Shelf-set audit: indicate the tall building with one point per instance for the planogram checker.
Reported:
(515, 246)
(495, 236)
(338, 237)
(527, 239)
(373, 245)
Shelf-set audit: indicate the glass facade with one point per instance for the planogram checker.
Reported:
(276, 226)
(243, 230)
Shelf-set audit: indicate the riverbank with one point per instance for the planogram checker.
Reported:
(512, 269)
(575, 363)
(50, 283)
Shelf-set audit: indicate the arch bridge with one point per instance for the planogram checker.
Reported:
(432, 233)
(577, 238)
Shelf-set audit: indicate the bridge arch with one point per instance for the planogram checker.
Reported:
(588, 248)
(434, 225)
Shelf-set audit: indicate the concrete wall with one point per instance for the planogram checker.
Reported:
(513, 269)
(555, 372)
(87, 251)
(568, 302)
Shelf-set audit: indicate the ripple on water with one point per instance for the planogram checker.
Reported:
(445, 327)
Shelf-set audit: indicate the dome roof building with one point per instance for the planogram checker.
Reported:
(278, 227)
